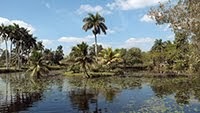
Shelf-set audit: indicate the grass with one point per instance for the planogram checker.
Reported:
(92, 74)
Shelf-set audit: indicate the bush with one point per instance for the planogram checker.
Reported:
(118, 71)
(75, 69)
(97, 68)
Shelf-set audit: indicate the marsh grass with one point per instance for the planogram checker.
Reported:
(92, 74)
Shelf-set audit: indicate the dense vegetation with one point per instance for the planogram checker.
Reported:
(182, 55)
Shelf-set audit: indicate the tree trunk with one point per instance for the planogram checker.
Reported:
(95, 36)
(10, 55)
(85, 71)
(18, 55)
(6, 53)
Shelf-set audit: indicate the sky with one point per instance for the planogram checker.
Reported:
(59, 22)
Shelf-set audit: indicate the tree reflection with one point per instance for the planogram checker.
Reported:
(183, 89)
(21, 92)
(85, 92)
(81, 98)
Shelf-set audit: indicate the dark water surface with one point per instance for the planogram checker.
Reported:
(19, 93)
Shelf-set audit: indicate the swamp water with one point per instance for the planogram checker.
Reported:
(58, 94)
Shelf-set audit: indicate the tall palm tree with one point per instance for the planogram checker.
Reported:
(11, 31)
(108, 56)
(23, 39)
(4, 36)
(82, 57)
(96, 23)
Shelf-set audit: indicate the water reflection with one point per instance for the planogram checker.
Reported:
(19, 92)
(184, 89)
(85, 92)
(99, 95)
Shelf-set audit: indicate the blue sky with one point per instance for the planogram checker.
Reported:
(59, 22)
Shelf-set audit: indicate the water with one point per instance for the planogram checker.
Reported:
(58, 94)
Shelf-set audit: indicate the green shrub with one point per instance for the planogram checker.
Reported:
(118, 71)
(75, 69)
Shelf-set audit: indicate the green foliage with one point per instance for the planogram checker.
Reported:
(183, 18)
(75, 69)
(92, 49)
(108, 57)
(39, 68)
(81, 57)
(23, 41)
(58, 55)
(134, 56)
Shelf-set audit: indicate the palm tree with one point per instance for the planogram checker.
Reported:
(24, 42)
(39, 67)
(97, 24)
(29, 45)
(40, 46)
(157, 53)
(108, 56)
(158, 45)
(11, 31)
(82, 57)
(4, 37)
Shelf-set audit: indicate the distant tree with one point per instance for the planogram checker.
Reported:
(58, 55)
(134, 56)
(39, 67)
(92, 49)
(48, 56)
(81, 57)
(108, 56)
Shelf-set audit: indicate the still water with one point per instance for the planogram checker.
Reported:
(58, 94)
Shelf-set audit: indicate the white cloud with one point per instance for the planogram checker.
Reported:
(147, 18)
(132, 4)
(73, 39)
(103, 44)
(46, 42)
(19, 22)
(24, 24)
(143, 43)
(110, 31)
(90, 9)
(4, 21)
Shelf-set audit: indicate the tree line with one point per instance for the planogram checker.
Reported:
(182, 55)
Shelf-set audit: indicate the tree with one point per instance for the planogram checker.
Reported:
(97, 24)
(48, 56)
(4, 37)
(123, 55)
(23, 41)
(134, 56)
(92, 49)
(58, 55)
(39, 46)
(183, 18)
(157, 53)
(108, 56)
(39, 67)
(81, 57)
